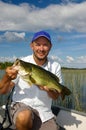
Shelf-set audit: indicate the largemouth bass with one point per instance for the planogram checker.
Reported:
(34, 74)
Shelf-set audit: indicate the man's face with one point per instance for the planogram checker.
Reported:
(41, 47)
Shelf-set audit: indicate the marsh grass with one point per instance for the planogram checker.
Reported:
(75, 80)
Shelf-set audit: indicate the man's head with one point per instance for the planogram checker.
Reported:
(41, 45)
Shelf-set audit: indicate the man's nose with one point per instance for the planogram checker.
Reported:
(41, 48)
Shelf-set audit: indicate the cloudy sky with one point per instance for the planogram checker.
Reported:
(65, 20)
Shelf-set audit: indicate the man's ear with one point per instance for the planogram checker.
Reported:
(31, 45)
(50, 46)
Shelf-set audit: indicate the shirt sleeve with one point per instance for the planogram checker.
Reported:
(58, 73)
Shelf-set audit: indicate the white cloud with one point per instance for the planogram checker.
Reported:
(11, 59)
(56, 58)
(65, 17)
(12, 36)
(71, 62)
(74, 62)
(69, 59)
(81, 59)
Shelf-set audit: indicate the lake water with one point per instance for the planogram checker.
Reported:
(75, 80)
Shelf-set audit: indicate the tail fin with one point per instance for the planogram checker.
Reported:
(65, 92)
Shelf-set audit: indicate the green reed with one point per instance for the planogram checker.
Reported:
(75, 80)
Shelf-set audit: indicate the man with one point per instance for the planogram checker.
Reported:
(31, 106)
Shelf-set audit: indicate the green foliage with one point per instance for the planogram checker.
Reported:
(75, 80)
(4, 65)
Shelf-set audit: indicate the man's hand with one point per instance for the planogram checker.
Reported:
(5, 83)
(11, 72)
(44, 88)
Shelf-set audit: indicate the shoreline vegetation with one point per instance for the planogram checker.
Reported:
(4, 65)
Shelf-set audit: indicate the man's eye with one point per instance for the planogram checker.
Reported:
(37, 44)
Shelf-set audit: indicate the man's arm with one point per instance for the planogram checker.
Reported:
(6, 84)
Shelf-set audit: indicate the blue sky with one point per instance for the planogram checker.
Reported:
(65, 20)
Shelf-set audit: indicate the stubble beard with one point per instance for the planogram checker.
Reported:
(40, 58)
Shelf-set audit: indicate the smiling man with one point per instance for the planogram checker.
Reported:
(31, 106)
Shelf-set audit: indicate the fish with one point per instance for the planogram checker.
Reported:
(34, 74)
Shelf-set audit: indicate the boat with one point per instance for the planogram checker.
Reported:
(70, 119)
(67, 119)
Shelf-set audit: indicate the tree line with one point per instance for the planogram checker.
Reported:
(4, 65)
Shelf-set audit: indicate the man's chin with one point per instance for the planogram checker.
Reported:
(41, 57)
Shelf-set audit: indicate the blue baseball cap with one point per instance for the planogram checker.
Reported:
(40, 34)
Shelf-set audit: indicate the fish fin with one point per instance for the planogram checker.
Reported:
(29, 83)
(32, 80)
(65, 92)
(28, 80)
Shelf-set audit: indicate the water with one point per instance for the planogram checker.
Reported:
(1, 73)
(75, 80)
(2, 97)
